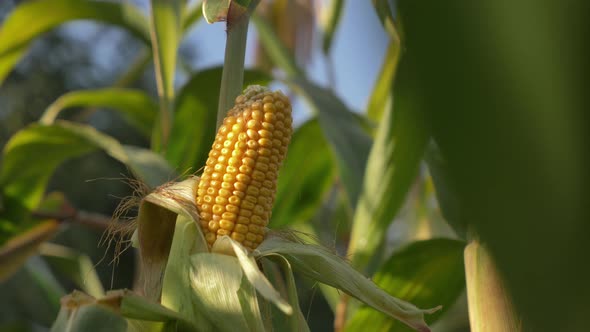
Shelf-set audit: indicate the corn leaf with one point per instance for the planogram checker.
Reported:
(33, 18)
(34, 283)
(195, 114)
(75, 266)
(188, 240)
(191, 17)
(134, 105)
(166, 32)
(15, 251)
(381, 96)
(350, 144)
(250, 306)
(319, 264)
(215, 280)
(215, 10)
(296, 321)
(156, 226)
(514, 135)
(92, 317)
(330, 22)
(384, 9)
(23, 181)
(80, 310)
(306, 176)
(446, 191)
(391, 170)
(255, 276)
(425, 273)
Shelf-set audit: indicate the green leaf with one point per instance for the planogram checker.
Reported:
(32, 18)
(319, 264)
(343, 131)
(305, 177)
(77, 267)
(166, 33)
(425, 273)
(34, 283)
(502, 87)
(188, 240)
(191, 16)
(156, 227)
(253, 274)
(215, 280)
(381, 95)
(23, 180)
(330, 22)
(15, 252)
(384, 9)
(392, 168)
(195, 114)
(79, 313)
(446, 191)
(135, 106)
(215, 10)
(296, 321)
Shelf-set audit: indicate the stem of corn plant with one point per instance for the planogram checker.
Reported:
(232, 78)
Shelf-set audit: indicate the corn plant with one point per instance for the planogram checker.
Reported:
(237, 211)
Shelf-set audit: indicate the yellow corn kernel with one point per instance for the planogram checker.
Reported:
(238, 185)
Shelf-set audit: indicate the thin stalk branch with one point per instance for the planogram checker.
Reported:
(92, 220)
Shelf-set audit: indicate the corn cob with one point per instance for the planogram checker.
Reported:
(237, 189)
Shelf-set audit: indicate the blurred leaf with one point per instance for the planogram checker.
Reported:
(23, 181)
(15, 252)
(384, 9)
(195, 114)
(82, 314)
(135, 69)
(426, 273)
(134, 105)
(503, 87)
(75, 266)
(392, 168)
(191, 16)
(296, 321)
(33, 284)
(343, 131)
(275, 48)
(381, 95)
(330, 22)
(215, 10)
(30, 19)
(306, 176)
(319, 264)
(446, 191)
(166, 33)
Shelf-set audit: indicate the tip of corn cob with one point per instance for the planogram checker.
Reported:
(237, 189)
